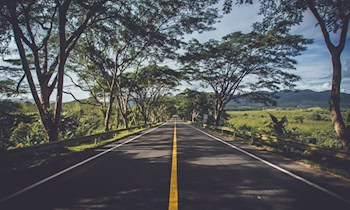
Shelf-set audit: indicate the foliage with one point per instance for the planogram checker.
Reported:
(152, 85)
(278, 126)
(27, 135)
(299, 119)
(310, 131)
(316, 117)
(10, 117)
(333, 19)
(192, 104)
(347, 114)
(47, 32)
(242, 64)
(326, 138)
(69, 127)
(142, 32)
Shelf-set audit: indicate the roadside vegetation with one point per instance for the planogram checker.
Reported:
(306, 125)
(21, 125)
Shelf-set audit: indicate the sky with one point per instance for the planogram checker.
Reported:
(314, 65)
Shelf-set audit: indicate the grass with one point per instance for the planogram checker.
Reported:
(259, 119)
(308, 125)
(97, 143)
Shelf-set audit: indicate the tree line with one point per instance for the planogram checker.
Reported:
(115, 50)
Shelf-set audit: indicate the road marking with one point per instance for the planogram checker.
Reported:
(173, 195)
(72, 167)
(316, 186)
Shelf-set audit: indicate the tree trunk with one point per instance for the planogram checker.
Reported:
(52, 132)
(218, 111)
(109, 113)
(334, 102)
(126, 120)
(217, 118)
(144, 115)
(118, 120)
(124, 109)
(145, 121)
(192, 116)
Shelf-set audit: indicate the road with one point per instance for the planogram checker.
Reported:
(176, 166)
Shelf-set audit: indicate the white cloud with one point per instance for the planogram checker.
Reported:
(326, 86)
(346, 68)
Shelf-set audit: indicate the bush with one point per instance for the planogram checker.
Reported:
(316, 117)
(89, 125)
(278, 126)
(245, 127)
(27, 135)
(326, 139)
(299, 119)
(69, 127)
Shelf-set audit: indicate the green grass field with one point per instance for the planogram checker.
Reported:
(310, 125)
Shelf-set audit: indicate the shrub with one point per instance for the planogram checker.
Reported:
(245, 127)
(299, 119)
(326, 139)
(278, 126)
(69, 127)
(316, 117)
(27, 135)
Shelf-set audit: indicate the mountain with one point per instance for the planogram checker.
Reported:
(300, 98)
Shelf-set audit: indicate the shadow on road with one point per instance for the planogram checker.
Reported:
(210, 176)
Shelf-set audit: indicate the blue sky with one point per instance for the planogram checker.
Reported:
(314, 65)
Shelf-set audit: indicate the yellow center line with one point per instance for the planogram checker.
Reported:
(173, 195)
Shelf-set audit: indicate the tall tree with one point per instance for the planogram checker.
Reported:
(241, 64)
(333, 20)
(45, 33)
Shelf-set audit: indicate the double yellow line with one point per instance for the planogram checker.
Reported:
(173, 195)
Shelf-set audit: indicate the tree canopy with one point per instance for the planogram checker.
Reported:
(46, 33)
(226, 65)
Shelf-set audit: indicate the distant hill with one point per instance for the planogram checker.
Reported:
(301, 98)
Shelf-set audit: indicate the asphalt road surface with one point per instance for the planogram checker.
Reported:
(176, 166)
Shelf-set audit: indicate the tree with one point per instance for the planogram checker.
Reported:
(332, 18)
(152, 85)
(45, 33)
(241, 64)
(192, 104)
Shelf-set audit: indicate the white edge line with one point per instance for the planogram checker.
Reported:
(278, 168)
(73, 167)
